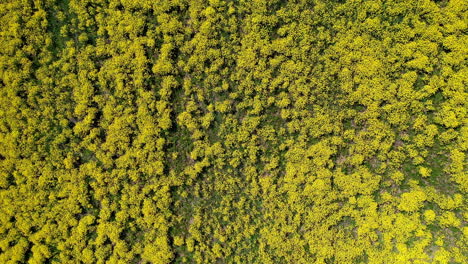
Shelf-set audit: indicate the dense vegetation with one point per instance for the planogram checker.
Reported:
(192, 131)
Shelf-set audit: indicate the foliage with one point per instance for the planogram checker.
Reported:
(178, 131)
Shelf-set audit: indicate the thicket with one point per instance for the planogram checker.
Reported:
(192, 131)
